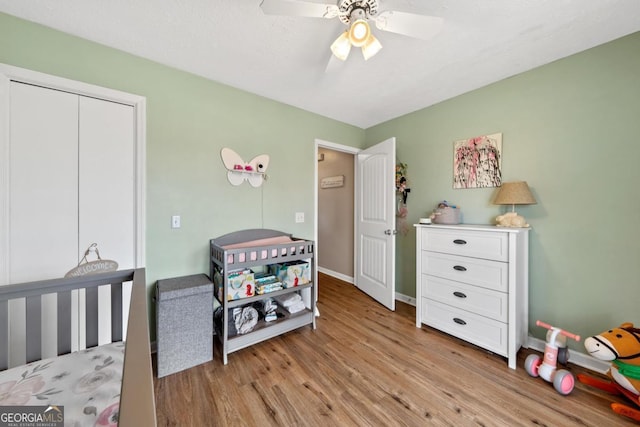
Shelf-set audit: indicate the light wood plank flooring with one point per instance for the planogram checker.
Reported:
(367, 366)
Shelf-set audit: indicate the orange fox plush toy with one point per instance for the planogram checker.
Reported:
(621, 346)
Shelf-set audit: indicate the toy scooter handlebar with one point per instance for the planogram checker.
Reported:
(562, 331)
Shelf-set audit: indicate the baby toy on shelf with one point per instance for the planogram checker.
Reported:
(511, 219)
(446, 213)
(555, 351)
(621, 346)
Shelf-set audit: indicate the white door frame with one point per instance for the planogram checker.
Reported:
(10, 73)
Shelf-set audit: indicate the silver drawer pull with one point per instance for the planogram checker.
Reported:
(459, 321)
(460, 242)
(459, 268)
(459, 294)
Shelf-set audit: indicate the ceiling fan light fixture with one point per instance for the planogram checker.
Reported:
(359, 32)
(341, 46)
(371, 47)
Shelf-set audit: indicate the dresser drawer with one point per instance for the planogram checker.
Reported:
(477, 244)
(475, 299)
(488, 274)
(478, 330)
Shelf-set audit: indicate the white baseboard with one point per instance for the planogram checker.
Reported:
(575, 357)
(399, 297)
(406, 299)
(337, 275)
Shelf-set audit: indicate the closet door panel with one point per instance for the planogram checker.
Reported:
(106, 191)
(43, 195)
(107, 179)
(43, 199)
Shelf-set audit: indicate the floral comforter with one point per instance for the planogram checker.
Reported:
(87, 383)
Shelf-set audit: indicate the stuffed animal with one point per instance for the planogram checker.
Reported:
(511, 219)
(621, 346)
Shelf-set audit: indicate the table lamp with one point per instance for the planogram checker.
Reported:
(513, 193)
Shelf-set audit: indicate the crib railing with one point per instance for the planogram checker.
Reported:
(33, 292)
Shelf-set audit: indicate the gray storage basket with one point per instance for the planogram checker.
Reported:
(184, 321)
(447, 215)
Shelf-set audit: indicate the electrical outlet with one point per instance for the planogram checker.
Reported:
(299, 216)
(175, 221)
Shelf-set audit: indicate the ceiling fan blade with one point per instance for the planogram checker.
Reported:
(409, 24)
(299, 8)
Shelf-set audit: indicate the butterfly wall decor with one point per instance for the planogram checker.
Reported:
(239, 171)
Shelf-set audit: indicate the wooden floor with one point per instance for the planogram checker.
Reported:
(367, 366)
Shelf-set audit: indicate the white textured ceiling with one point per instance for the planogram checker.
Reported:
(284, 58)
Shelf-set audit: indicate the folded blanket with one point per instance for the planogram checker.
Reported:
(288, 299)
(296, 307)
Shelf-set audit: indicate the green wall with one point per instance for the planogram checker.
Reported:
(570, 129)
(189, 120)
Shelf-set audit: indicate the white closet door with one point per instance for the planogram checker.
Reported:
(72, 183)
(71, 174)
(106, 192)
(107, 179)
(43, 195)
(43, 199)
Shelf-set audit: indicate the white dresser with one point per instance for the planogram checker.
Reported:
(472, 281)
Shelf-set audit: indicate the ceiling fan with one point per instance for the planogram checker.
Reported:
(356, 15)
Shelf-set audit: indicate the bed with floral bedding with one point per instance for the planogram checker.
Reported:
(87, 381)
(103, 385)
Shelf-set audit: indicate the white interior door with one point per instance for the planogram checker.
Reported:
(375, 222)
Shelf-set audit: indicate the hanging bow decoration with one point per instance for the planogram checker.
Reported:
(403, 189)
(401, 181)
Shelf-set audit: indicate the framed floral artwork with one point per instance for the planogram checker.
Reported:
(477, 162)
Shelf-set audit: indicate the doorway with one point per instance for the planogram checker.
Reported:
(360, 236)
(335, 212)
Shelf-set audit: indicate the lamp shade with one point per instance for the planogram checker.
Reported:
(514, 193)
(359, 32)
(371, 47)
(342, 46)
(358, 35)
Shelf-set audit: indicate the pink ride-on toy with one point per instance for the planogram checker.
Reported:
(555, 351)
